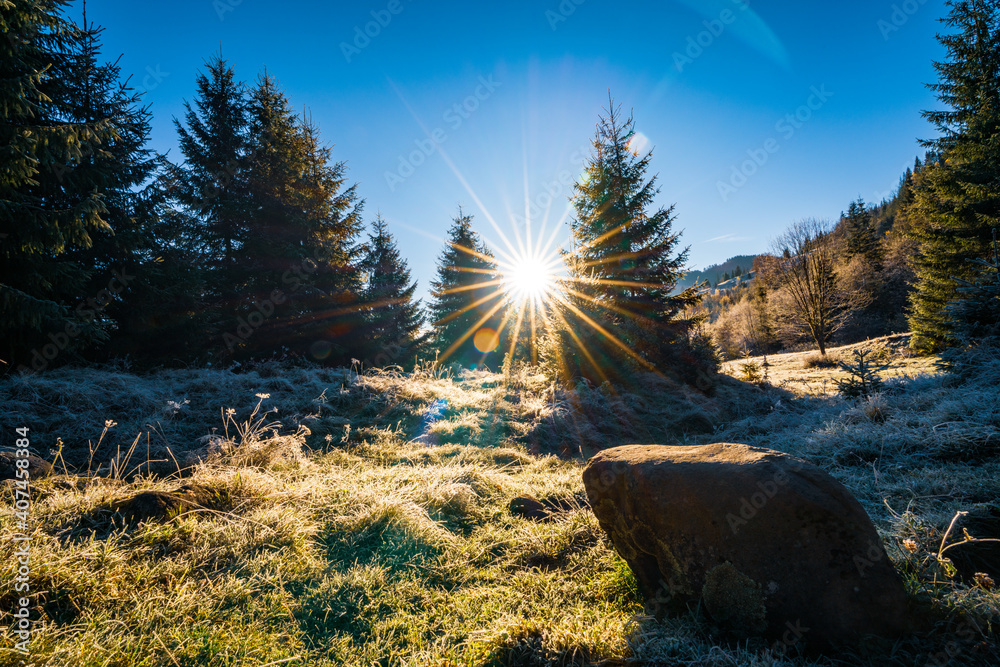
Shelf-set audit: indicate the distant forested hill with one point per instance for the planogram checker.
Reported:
(718, 272)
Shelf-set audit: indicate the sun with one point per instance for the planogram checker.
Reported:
(529, 280)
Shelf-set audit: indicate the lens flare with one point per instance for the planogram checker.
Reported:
(321, 350)
(638, 144)
(486, 340)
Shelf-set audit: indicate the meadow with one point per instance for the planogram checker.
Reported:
(363, 517)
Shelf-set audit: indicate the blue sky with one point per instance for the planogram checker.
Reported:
(711, 84)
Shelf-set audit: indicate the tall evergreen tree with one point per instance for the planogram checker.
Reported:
(393, 319)
(210, 187)
(332, 312)
(467, 299)
(620, 311)
(213, 140)
(334, 213)
(70, 152)
(976, 319)
(957, 198)
(278, 224)
(160, 316)
(140, 280)
(303, 222)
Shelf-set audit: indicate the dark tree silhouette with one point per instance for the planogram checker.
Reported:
(393, 319)
(466, 298)
(956, 199)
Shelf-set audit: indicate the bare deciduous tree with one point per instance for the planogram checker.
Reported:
(811, 299)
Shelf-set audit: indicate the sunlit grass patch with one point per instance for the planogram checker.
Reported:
(360, 543)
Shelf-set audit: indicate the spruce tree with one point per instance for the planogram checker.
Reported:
(619, 312)
(976, 318)
(957, 198)
(333, 212)
(760, 320)
(210, 190)
(213, 140)
(70, 150)
(143, 282)
(300, 257)
(333, 223)
(467, 298)
(393, 319)
(276, 221)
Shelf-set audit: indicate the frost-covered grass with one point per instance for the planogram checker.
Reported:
(805, 373)
(356, 526)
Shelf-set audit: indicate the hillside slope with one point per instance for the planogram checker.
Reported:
(715, 273)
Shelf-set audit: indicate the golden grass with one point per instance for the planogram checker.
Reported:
(347, 539)
(800, 373)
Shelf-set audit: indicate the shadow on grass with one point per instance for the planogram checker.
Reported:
(656, 410)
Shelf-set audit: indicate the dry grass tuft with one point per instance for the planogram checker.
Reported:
(817, 360)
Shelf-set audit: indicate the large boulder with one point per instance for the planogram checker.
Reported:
(767, 543)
